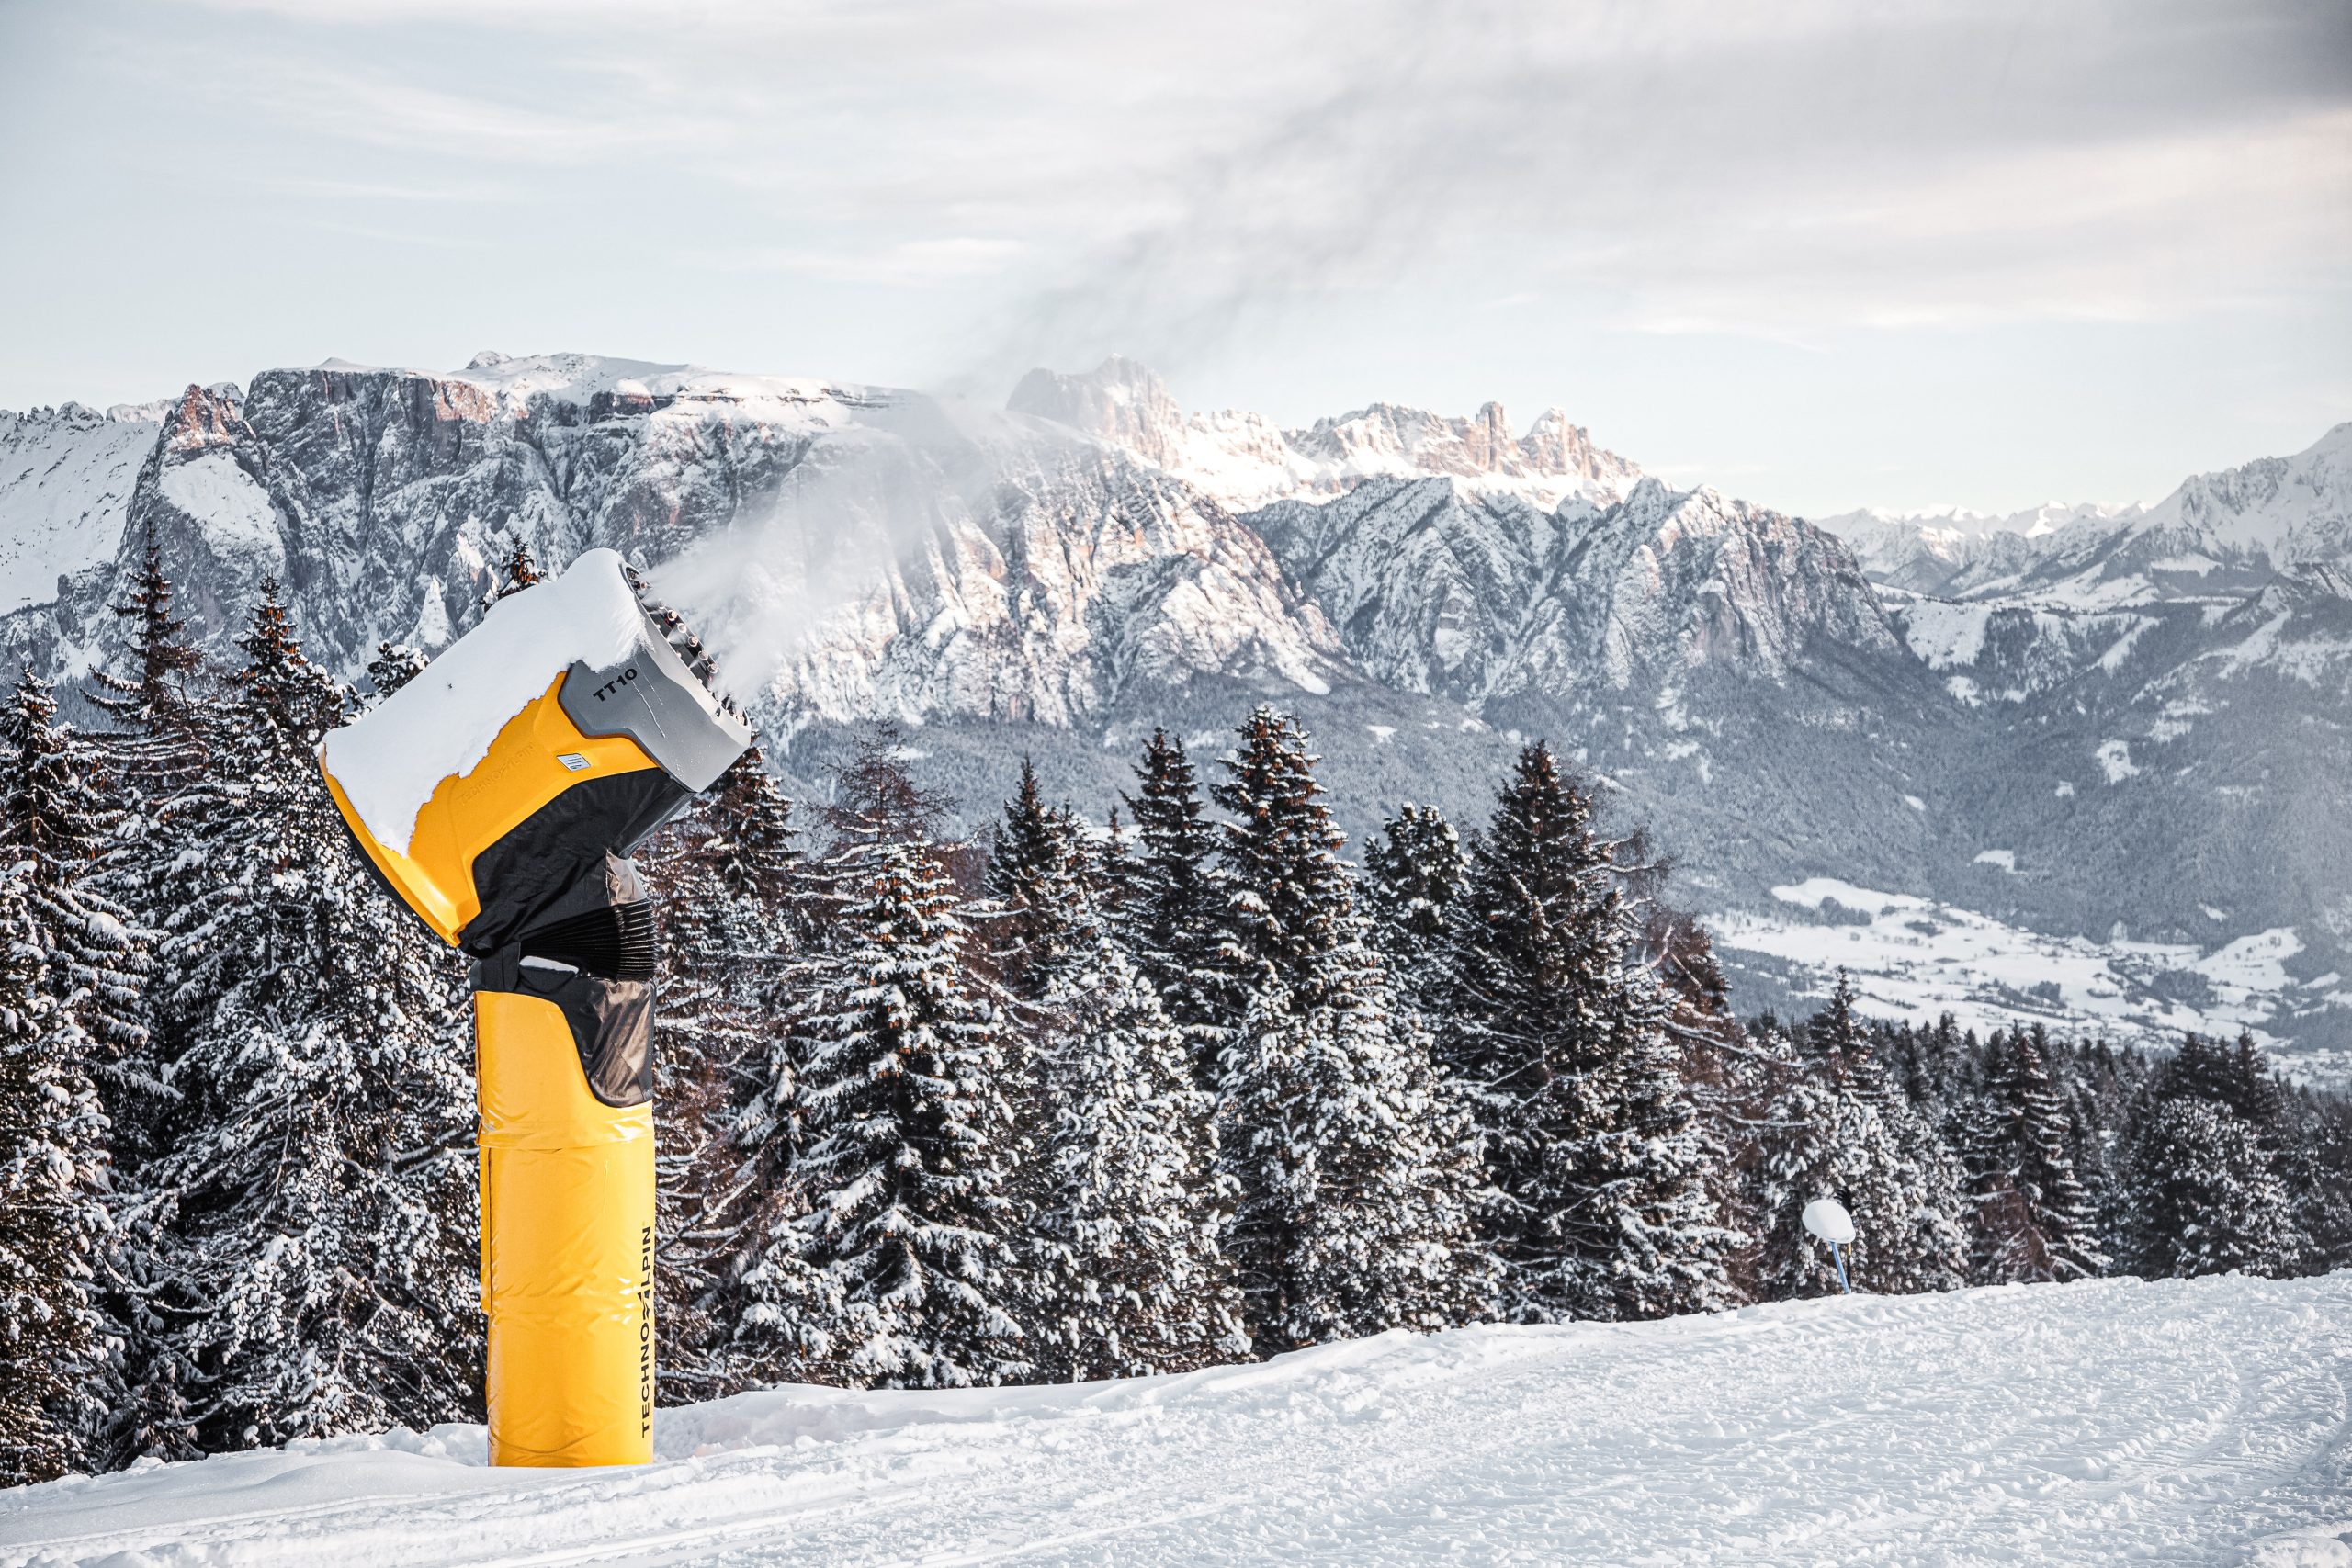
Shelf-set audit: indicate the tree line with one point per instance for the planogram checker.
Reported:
(1065, 1101)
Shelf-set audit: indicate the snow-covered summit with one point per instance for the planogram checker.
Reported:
(1245, 460)
(66, 474)
(2223, 532)
(1946, 549)
(2291, 511)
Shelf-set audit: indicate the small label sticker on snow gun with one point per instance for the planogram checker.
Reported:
(573, 762)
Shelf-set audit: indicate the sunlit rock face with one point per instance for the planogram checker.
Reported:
(2139, 714)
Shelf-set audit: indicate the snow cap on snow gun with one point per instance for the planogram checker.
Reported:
(563, 727)
(499, 795)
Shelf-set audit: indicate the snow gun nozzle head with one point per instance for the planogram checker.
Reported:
(493, 791)
(681, 639)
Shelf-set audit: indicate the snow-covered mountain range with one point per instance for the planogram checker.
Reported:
(2093, 725)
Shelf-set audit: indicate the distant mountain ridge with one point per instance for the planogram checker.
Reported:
(2124, 724)
(2229, 530)
(1244, 460)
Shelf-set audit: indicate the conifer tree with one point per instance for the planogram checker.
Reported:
(154, 704)
(1352, 1164)
(55, 822)
(1131, 1278)
(394, 666)
(305, 1243)
(897, 1270)
(2318, 1174)
(1116, 1181)
(1413, 868)
(726, 876)
(753, 851)
(157, 751)
(2202, 1184)
(2204, 1197)
(1557, 1029)
(1035, 878)
(2032, 1220)
(516, 573)
(55, 1372)
(1171, 915)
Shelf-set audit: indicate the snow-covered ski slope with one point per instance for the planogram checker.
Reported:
(2197, 1421)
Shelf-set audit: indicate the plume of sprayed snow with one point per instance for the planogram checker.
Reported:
(806, 589)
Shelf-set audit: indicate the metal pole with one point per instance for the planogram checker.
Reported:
(1839, 1253)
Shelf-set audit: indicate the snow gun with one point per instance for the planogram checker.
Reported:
(499, 795)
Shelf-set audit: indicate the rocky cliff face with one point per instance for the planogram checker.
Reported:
(2143, 739)
(1244, 461)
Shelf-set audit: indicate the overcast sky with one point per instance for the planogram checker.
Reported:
(1822, 255)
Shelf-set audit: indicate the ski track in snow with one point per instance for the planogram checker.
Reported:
(2111, 1421)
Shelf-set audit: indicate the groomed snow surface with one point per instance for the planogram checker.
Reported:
(2105, 1422)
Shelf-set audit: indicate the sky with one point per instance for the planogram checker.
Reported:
(1822, 254)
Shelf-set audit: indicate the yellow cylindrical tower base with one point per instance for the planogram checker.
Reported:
(567, 1247)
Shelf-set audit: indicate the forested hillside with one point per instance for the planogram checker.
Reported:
(939, 1110)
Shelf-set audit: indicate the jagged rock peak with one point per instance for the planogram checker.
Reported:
(1119, 401)
(1247, 461)
(206, 416)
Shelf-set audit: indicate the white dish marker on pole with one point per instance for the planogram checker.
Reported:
(1828, 1218)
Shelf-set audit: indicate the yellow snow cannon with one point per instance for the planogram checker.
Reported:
(499, 795)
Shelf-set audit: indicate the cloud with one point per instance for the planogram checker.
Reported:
(909, 261)
(1167, 179)
(1772, 171)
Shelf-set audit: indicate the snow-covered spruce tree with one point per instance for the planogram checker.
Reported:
(1835, 1129)
(724, 879)
(1351, 1163)
(55, 1366)
(156, 751)
(2099, 1085)
(56, 822)
(1723, 1076)
(891, 1260)
(2204, 1199)
(304, 1245)
(1412, 869)
(1557, 1029)
(160, 745)
(2030, 1219)
(511, 575)
(2204, 1192)
(1130, 1277)
(907, 1127)
(754, 852)
(1115, 1179)
(1171, 915)
(1037, 876)
(2318, 1173)
(394, 666)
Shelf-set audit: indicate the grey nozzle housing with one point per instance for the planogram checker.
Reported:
(652, 697)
